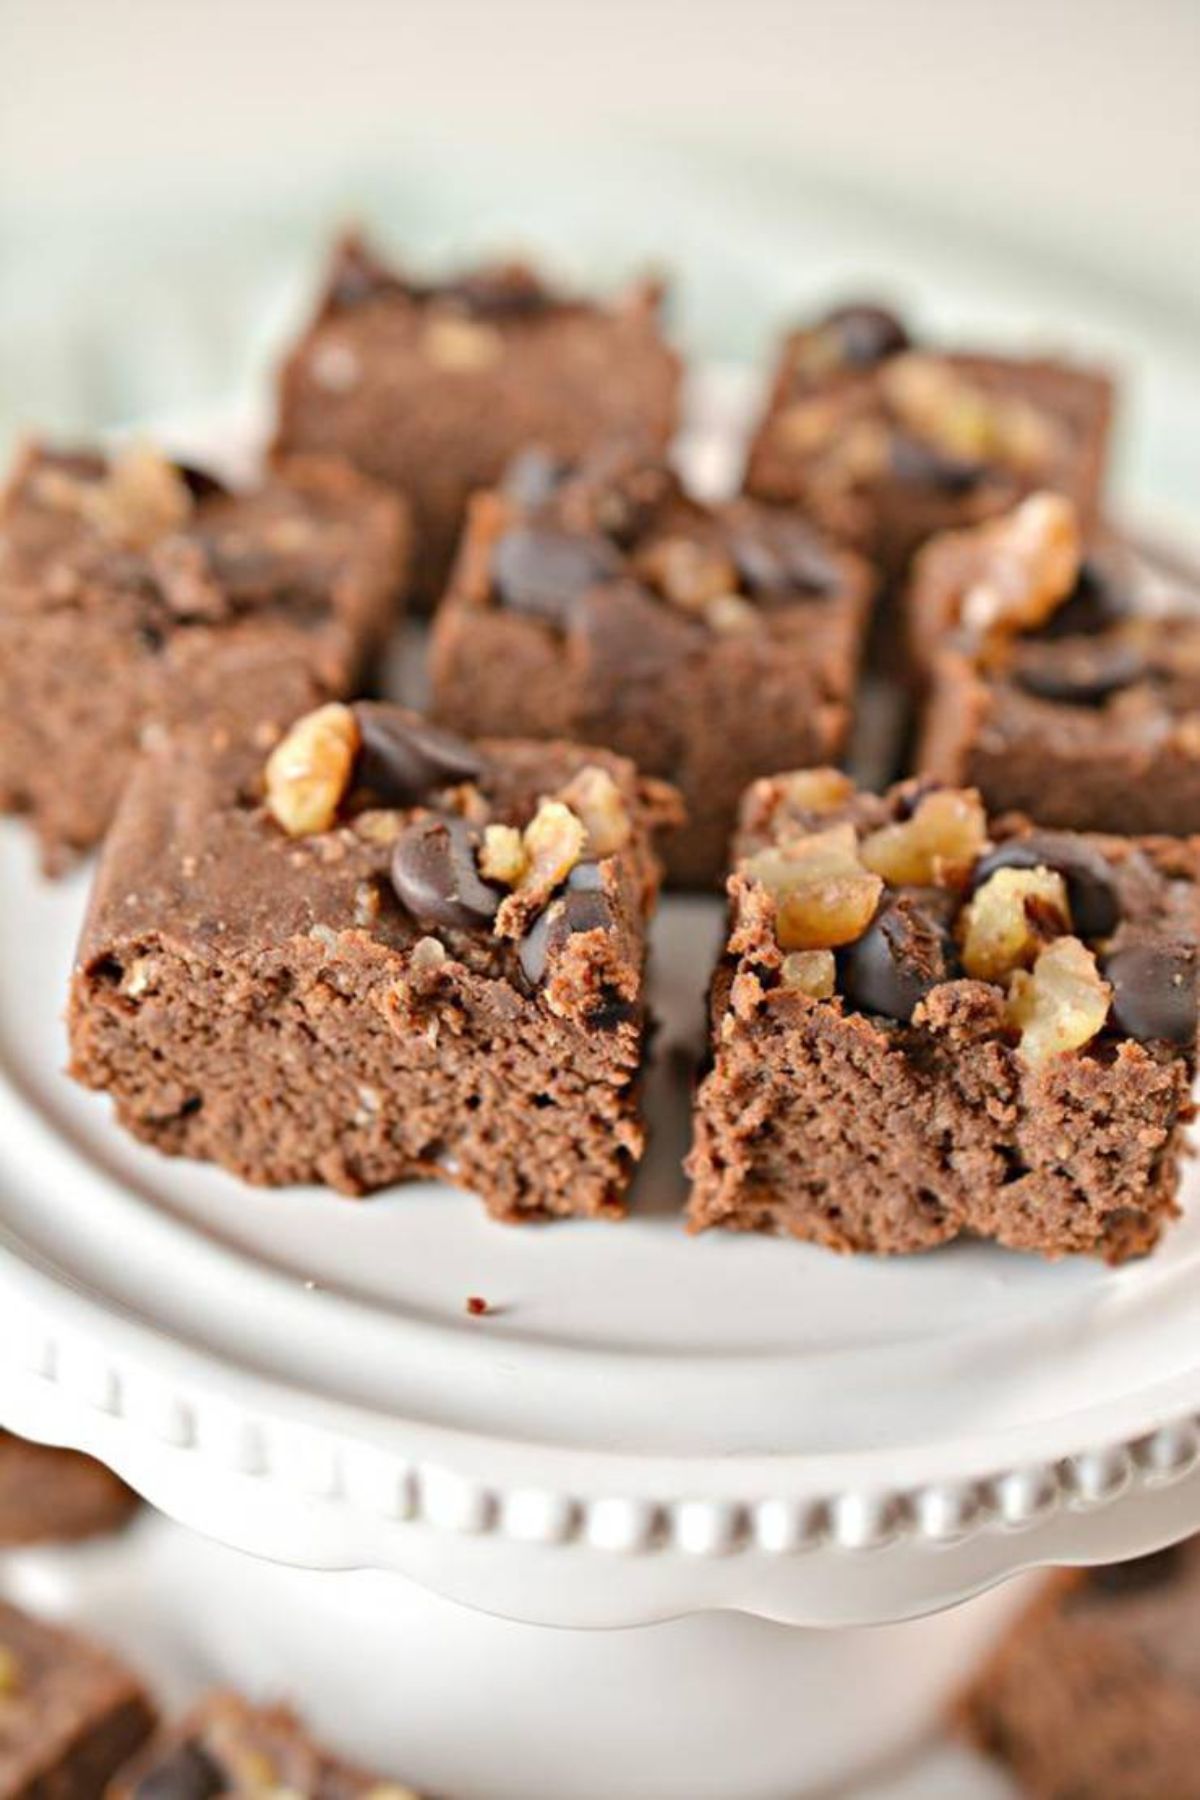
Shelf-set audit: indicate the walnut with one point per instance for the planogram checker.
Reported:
(554, 841)
(811, 972)
(10, 1671)
(1031, 564)
(1061, 1003)
(688, 572)
(729, 615)
(310, 769)
(823, 895)
(461, 346)
(427, 956)
(936, 846)
(594, 796)
(142, 497)
(503, 857)
(1011, 918)
(949, 410)
(816, 790)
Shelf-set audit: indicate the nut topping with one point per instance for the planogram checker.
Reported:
(688, 572)
(1091, 889)
(141, 497)
(1031, 565)
(461, 346)
(503, 858)
(594, 796)
(554, 841)
(1012, 916)
(310, 769)
(942, 406)
(1061, 1003)
(823, 895)
(936, 847)
(817, 790)
(811, 972)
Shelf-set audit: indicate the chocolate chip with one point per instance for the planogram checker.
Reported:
(1139, 1575)
(923, 465)
(507, 291)
(1102, 596)
(1079, 671)
(542, 571)
(402, 757)
(533, 477)
(776, 554)
(1154, 988)
(436, 878)
(187, 1773)
(866, 334)
(904, 952)
(1091, 888)
(199, 483)
(583, 906)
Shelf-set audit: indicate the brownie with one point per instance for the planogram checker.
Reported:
(1095, 1690)
(884, 440)
(226, 1746)
(434, 387)
(709, 643)
(391, 954)
(136, 593)
(928, 1024)
(70, 1714)
(1062, 677)
(55, 1496)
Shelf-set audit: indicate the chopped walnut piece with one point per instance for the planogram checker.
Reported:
(1061, 1003)
(1010, 920)
(142, 496)
(310, 769)
(10, 1670)
(428, 955)
(1031, 564)
(816, 790)
(947, 409)
(688, 572)
(503, 856)
(936, 846)
(811, 972)
(462, 346)
(594, 796)
(823, 895)
(729, 615)
(554, 841)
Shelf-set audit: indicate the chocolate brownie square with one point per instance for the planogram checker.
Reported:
(54, 1496)
(1062, 679)
(884, 441)
(434, 387)
(709, 643)
(1095, 1691)
(70, 1714)
(389, 954)
(928, 1024)
(136, 594)
(226, 1746)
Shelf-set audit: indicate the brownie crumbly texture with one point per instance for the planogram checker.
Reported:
(1061, 680)
(70, 1714)
(710, 644)
(393, 954)
(926, 1025)
(884, 441)
(225, 1746)
(1095, 1691)
(433, 388)
(56, 1496)
(136, 593)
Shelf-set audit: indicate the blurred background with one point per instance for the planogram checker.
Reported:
(168, 173)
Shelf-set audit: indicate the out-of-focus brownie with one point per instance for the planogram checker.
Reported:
(926, 1024)
(434, 387)
(55, 1496)
(389, 954)
(1061, 681)
(70, 1714)
(1095, 1691)
(136, 593)
(885, 441)
(710, 644)
(225, 1746)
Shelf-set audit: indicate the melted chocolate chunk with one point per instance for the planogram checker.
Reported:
(866, 334)
(200, 484)
(436, 877)
(923, 465)
(1154, 988)
(533, 477)
(583, 906)
(402, 757)
(1091, 888)
(905, 951)
(776, 554)
(542, 571)
(1101, 597)
(1079, 671)
(1139, 1575)
(187, 1773)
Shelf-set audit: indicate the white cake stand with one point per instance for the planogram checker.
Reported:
(644, 1429)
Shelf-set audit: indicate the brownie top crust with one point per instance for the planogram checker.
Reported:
(913, 908)
(165, 548)
(613, 549)
(527, 863)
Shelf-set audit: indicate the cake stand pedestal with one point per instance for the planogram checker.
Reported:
(749, 1461)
